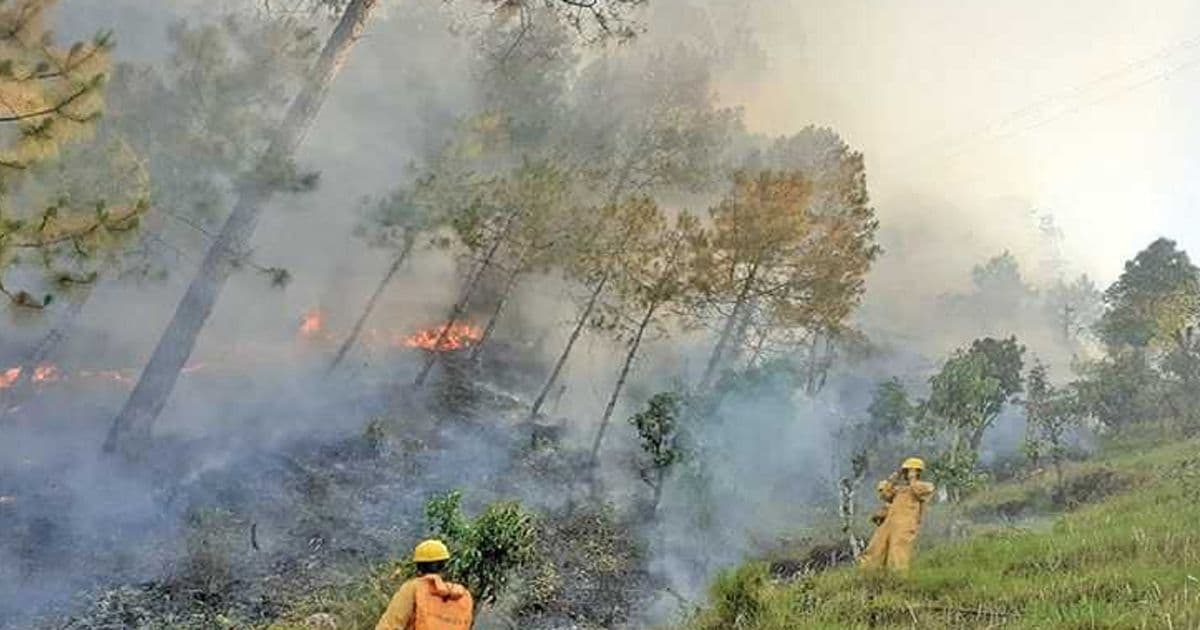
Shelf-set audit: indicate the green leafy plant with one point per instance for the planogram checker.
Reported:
(486, 551)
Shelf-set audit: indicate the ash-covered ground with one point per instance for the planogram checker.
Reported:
(240, 527)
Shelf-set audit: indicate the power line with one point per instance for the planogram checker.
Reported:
(1035, 113)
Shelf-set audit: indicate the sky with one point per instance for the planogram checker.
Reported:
(987, 110)
(971, 113)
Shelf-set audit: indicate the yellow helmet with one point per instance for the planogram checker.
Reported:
(914, 463)
(431, 551)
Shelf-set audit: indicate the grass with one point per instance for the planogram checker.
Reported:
(356, 605)
(1131, 560)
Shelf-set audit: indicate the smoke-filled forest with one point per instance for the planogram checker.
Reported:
(630, 302)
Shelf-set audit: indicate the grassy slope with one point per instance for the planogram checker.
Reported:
(1129, 561)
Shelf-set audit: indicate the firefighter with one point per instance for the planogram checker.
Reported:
(891, 546)
(427, 602)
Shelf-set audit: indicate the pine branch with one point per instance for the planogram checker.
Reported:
(57, 109)
(119, 224)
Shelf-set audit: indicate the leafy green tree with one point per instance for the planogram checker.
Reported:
(178, 133)
(656, 267)
(998, 298)
(660, 430)
(592, 21)
(638, 126)
(1122, 389)
(536, 243)
(52, 98)
(523, 75)
(966, 396)
(485, 552)
(397, 222)
(513, 222)
(131, 429)
(837, 263)
(1156, 296)
(890, 411)
(1075, 307)
(1051, 414)
(782, 255)
(1180, 369)
(880, 435)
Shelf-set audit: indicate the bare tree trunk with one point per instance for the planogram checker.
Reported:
(131, 428)
(738, 341)
(616, 394)
(660, 479)
(593, 300)
(849, 486)
(810, 379)
(352, 338)
(977, 436)
(460, 307)
(847, 489)
(613, 197)
(1058, 478)
(826, 363)
(718, 354)
(509, 284)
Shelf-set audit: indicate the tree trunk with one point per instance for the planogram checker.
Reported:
(659, 480)
(826, 364)
(738, 341)
(847, 489)
(759, 346)
(460, 307)
(814, 369)
(614, 196)
(509, 284)
(352, 338)
(718, 354)
(132, 427)
(593, 299)
(977, 436)
(616, 394)
(1058, 478)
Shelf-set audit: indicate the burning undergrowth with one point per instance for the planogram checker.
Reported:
(238, 529)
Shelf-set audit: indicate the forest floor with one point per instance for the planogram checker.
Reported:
(300, 536)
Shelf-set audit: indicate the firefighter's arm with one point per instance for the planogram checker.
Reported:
(401, 609)
(922, 490)
(886, 490)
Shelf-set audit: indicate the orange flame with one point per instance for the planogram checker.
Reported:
(45, 373)
(458, 336)
(9, 376)
(312, 323)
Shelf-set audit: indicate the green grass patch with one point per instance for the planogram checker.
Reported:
(1131, 560)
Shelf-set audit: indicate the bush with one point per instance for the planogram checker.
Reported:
(486, 551)
(737, 597)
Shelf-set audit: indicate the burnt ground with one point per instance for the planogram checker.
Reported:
(187, 539)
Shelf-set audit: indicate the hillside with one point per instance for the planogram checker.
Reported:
(1129, 560)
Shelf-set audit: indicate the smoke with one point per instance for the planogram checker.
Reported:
(960, 105)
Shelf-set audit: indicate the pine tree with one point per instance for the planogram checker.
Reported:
(131, 428)
(50, 101)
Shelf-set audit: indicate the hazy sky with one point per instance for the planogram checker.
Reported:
(970, 112)
(987, 109)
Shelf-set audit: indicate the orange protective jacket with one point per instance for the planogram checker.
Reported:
(429, 603)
